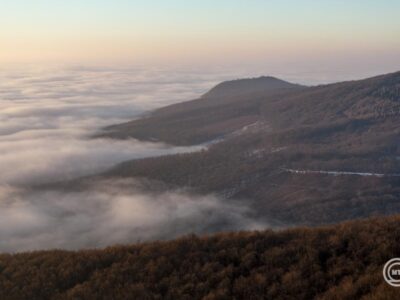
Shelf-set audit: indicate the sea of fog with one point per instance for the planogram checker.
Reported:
(47, 116)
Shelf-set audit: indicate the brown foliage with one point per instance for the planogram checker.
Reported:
(339, 262)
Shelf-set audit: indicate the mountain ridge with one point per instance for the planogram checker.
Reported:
(207, 118)
(248, 85)
(346, 127)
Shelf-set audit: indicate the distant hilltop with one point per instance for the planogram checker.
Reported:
(248, 85)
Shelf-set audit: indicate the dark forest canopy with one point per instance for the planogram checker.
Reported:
(338, 262)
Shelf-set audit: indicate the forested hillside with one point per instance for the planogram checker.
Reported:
(279, 105)
(349, 131)
(224, 109)
(344, 261)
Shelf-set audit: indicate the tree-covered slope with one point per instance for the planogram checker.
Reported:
(344, 261)
(268, 102)
(346, 130)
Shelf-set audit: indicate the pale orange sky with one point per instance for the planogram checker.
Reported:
(277, 33)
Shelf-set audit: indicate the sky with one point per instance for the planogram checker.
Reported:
(282, 34)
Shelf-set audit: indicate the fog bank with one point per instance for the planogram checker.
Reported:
(110, 213)
(46, 120)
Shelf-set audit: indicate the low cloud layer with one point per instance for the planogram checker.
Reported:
(42, 156)
(46, 118)
(108, 213)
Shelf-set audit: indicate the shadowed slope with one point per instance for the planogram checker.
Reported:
(345, 127)
(226, 108)
(275, 104)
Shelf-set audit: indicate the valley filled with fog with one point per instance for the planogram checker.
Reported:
(47, 118)
(51, 193)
